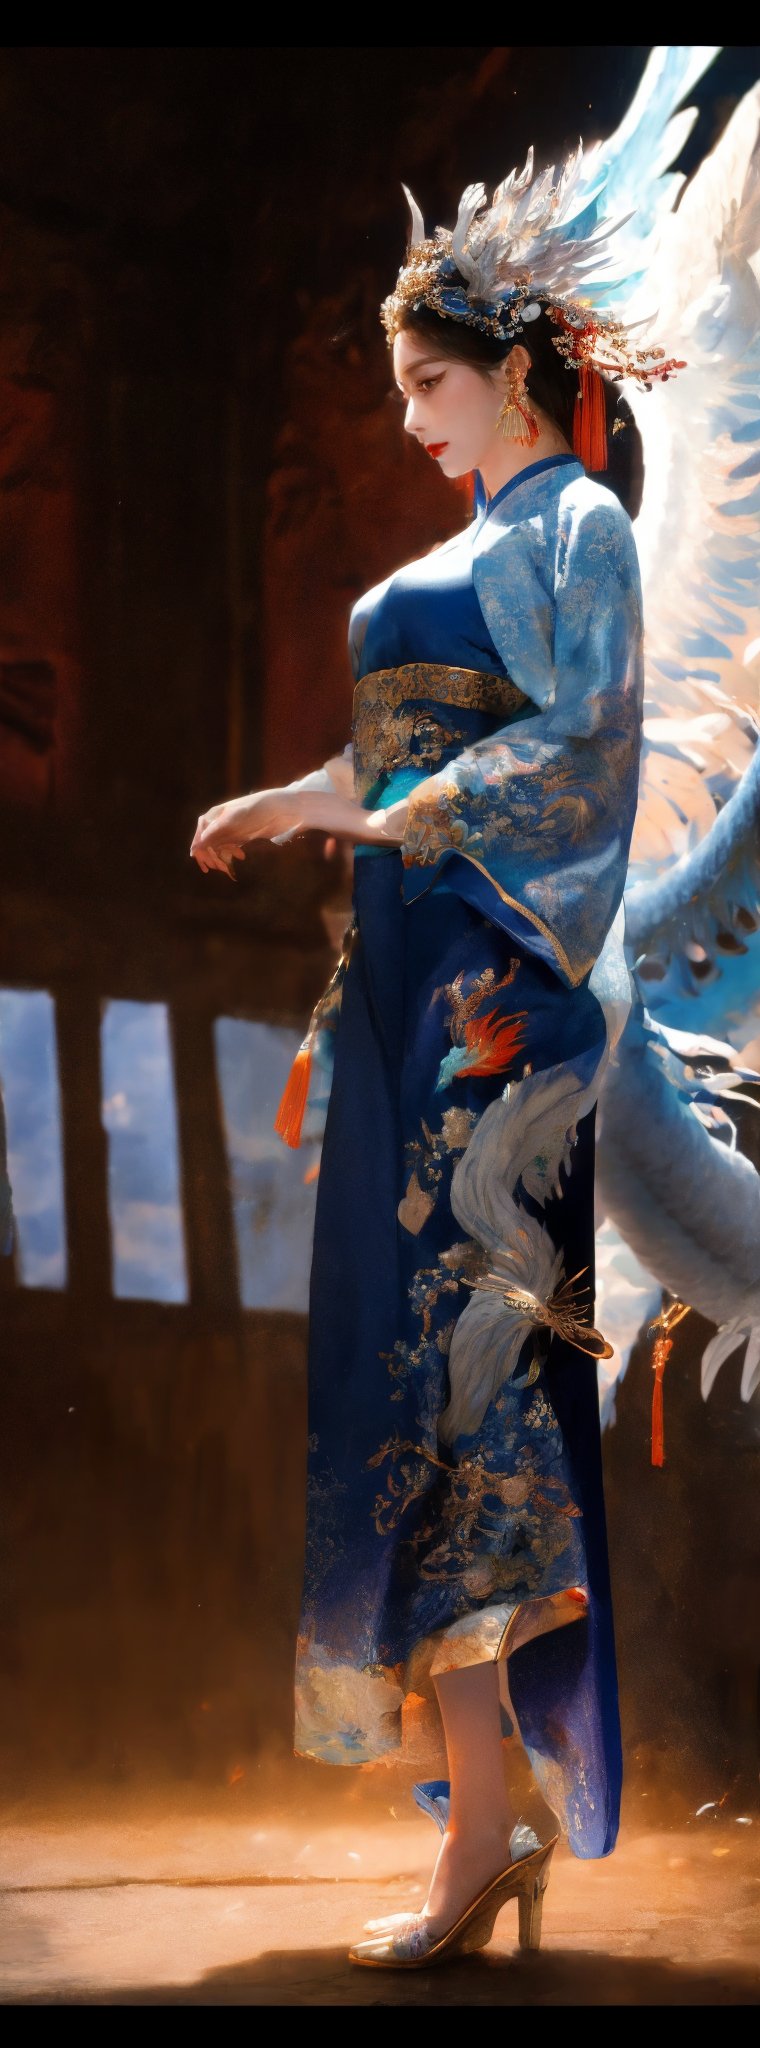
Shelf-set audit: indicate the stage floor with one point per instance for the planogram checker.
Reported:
(200, 1909)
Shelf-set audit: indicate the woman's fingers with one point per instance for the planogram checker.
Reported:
(219, 857)
(208, 859)
(223, 850)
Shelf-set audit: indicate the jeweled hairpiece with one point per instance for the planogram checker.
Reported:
(576, 244)
(502, 265)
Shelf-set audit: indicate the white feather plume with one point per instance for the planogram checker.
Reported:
(525, 1135)
(585, 230)
(470, 204)
(417, 235)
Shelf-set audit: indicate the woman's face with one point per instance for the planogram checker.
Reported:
(452, 409)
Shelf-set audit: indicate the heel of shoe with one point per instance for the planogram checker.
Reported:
(530, 1905)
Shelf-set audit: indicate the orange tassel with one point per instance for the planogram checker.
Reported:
(290, 1115)
(660, 1329)
(590, 420)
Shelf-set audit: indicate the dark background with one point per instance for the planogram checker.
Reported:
(200, 468)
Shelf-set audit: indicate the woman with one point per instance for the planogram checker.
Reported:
(456, 1548)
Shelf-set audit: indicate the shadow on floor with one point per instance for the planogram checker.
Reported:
(562, 1978)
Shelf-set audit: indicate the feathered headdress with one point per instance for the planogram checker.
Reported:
(574, 243)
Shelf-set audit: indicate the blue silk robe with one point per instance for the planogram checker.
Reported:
(454, 1460)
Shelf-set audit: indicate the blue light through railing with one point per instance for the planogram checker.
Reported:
(273, 1205)
(144, 1193)
(31, 1096)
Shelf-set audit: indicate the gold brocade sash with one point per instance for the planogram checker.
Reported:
(393, 724)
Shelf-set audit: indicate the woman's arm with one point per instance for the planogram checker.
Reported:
(335, 774)
(223, 833)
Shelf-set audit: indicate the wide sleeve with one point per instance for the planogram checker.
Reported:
(533, 824)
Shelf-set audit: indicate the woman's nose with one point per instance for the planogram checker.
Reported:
(411, 422)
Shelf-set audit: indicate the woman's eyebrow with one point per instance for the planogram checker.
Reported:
(418, 364)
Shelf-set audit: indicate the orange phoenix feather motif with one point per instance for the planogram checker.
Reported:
(484, 1044)
(490, 1043)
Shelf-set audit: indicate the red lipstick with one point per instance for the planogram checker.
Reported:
(435, 448)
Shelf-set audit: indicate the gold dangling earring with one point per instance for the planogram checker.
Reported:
(516, 420)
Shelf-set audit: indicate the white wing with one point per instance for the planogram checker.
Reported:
(690, 1212)
(627, 178)
(590, 231)
(627, 1296)
(699, 528)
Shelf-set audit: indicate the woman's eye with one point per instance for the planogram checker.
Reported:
(423, 384)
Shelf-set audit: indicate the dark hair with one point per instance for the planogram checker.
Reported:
(551, 382)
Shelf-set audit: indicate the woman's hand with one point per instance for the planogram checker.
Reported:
(222, 834)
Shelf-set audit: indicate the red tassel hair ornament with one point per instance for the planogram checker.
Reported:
(590, 420)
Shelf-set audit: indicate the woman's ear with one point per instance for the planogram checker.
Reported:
(518, 360)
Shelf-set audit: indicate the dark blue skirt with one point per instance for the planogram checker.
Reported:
(415, 1542)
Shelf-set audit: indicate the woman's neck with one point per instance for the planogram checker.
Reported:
(506, 458)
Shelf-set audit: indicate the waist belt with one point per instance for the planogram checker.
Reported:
(396, 722)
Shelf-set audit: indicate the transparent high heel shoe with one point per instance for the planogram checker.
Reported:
(404, 1940)
(433, 1799)
(412, 1944)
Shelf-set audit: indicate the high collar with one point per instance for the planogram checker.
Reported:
(485, 506)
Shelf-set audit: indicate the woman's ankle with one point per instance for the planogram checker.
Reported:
(478, 1827)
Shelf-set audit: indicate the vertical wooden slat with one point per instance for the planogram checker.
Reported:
(235, 607)
(209, 1227)
(85, 1146)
